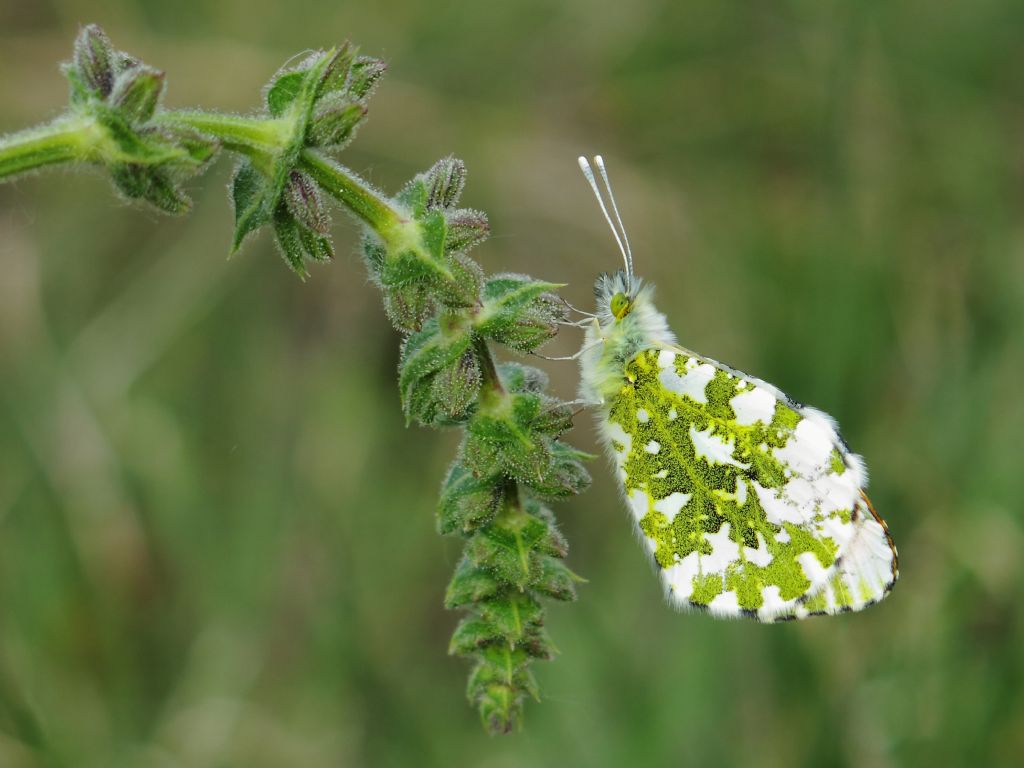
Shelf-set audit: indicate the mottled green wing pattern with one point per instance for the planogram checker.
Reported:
(750, 504)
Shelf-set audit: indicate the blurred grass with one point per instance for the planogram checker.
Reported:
(216, 535)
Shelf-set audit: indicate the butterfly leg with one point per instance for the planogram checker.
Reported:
(574, 309)
(575, 324)
(575, 356)
(583, 405)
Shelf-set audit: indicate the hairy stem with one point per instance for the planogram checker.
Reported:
(259, 137)
(246, 135)
(488, 370)
(68, 139)
(354, 193)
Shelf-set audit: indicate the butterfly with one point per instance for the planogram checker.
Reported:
(749, 503)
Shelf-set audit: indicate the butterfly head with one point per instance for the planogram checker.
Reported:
(618, 296)
(619, 305)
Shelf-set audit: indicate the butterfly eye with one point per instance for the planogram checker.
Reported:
(620, 306)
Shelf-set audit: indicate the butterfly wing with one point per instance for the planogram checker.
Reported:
(750, 504)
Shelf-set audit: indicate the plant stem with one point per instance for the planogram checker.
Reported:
(67, 139)
(488, 369)
(354, 193)
(246, 135)
(262, 138)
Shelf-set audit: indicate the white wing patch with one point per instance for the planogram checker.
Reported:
(708, 445)
(750, 504)
(755, 404)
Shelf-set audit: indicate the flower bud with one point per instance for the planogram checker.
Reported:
(94, 60)
(304, 202)
(455, 387)
(136, 92)
(364, 75)
(408, 306)
(334, 122)
(139, 182)
(336, 73)
(466, 228)
(445, 182)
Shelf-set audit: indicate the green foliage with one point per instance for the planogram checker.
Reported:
(116, 96)
(519, 312)
(436, 376)
(416, 250)
(419, 261)
(318, 104)
(468, 500)
(510, 457)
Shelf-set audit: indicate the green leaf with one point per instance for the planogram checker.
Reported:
(552, 543)
(498, 685)
(500, 438)
(317, 247)
(136, 92)
(513, 616)
(424, 355)
(433, 226)
(506, 547)
(139, 182)
(462, 289)
(505, 662)
(79, 91)
(522, 378)
(130, 144)
(414, 196)
(468, 501)
(519, 312)
(249, 190)
(287, 232)
(507, 437)
(423, 260)
(554, 579)
(470, 585)
(537, 644)
(564, 475)
(283, 91)
(553, 418)
(375, 255)
(504, 561)
(470, 635)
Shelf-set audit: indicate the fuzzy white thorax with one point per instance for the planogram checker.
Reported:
(610, 342)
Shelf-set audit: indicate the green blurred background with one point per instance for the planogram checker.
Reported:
(217, 541)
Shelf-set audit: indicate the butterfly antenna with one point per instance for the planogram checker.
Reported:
(588, 172)
(628, 254)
